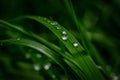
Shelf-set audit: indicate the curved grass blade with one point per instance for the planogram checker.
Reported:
(83, 60)
(79, 58)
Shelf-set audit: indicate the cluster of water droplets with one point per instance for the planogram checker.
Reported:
(54, 23)
(65, 37)
(35, 66)
(64, 33)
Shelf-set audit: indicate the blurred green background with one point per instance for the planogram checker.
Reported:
(100, 18)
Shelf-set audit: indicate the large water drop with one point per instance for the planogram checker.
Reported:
(75, 44)
(115, 77)
(64, 38)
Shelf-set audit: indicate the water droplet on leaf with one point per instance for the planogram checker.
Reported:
(58, 27)
(54, 23)
(115, 77)
(36, 67)
(64, 38)
(75, 44)
(47, 66)
(64, 32)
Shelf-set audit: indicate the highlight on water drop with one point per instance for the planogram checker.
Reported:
(64, 32)
(64, 37)
(47, 66)
(54, 23)
(58, 27)
(75, 44)
(37, 67)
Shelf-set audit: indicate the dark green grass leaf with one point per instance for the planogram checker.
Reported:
(78, 60)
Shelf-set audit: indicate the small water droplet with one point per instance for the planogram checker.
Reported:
(47, 66)
(27, 55)
(58, 27)
(64, 32)
(115, 77)
(54, 23)
(18, 38)
(64, 38)
(38, 55)
(75, 44)
(36, 67)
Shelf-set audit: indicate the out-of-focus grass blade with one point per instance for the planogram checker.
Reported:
(35, 45)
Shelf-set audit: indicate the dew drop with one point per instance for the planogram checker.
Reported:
(38, 55)
(115, 77)
(27, 55)
(64, 38)
(54, 23)
(36, 67)
(64, 32)
(75, 44)
(47, 66)
(58, 27)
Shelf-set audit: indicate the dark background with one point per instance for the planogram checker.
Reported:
(100, 17)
